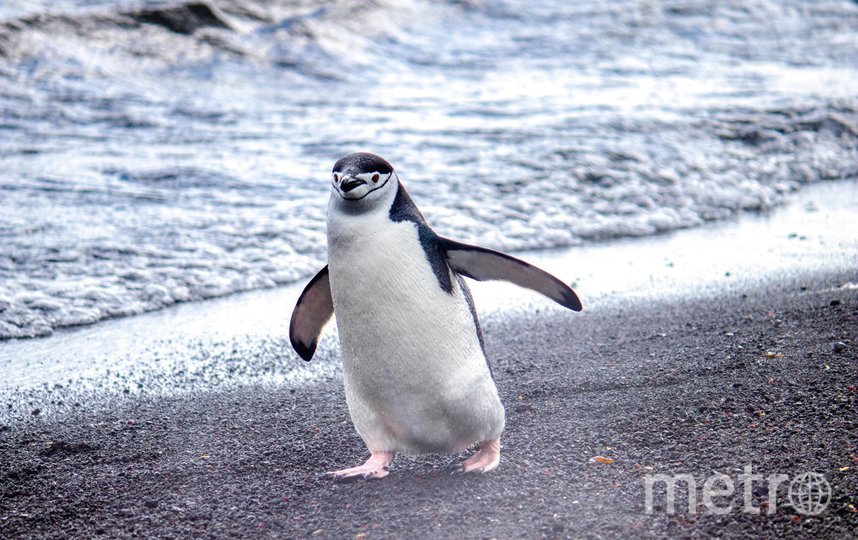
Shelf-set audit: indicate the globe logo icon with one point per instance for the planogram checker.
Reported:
(809, 493)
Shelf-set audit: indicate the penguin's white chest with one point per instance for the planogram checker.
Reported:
(391, 312)
(415, 374)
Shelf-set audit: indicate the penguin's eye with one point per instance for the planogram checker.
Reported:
(375, 177)
(336, 177)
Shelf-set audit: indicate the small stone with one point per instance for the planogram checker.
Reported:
(834, 303)
(36, 412)
(839, 347)
(124, 513)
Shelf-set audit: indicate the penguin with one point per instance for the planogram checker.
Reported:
(416, 376)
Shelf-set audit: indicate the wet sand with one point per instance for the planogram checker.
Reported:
(765, 376)
(739, 370)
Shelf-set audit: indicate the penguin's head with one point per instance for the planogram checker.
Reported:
(362, 177)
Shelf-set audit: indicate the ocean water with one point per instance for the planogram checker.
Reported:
(161, 152)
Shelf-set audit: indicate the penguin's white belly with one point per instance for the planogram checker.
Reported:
(416, 377)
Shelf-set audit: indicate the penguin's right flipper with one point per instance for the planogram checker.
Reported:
(313, 310)
(484, 264)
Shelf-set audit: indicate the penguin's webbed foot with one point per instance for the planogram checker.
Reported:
(376, 467)
(485, 460)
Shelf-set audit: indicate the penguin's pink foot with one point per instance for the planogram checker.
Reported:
(375, 467)
(485, 460)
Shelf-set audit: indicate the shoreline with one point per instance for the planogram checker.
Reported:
(158, 349)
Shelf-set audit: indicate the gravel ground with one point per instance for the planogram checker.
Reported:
(763, 376)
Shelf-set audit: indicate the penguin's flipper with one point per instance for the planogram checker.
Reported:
(313, 310)
(484, 264)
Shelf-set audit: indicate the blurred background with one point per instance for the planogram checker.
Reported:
(160, 152)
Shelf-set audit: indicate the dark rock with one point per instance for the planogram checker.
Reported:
(181, 19)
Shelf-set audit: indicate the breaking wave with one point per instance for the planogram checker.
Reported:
(157, 152)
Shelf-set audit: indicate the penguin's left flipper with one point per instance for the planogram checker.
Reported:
(313, 310)
(484, 264)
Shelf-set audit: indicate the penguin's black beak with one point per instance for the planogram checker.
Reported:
(351, 184)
